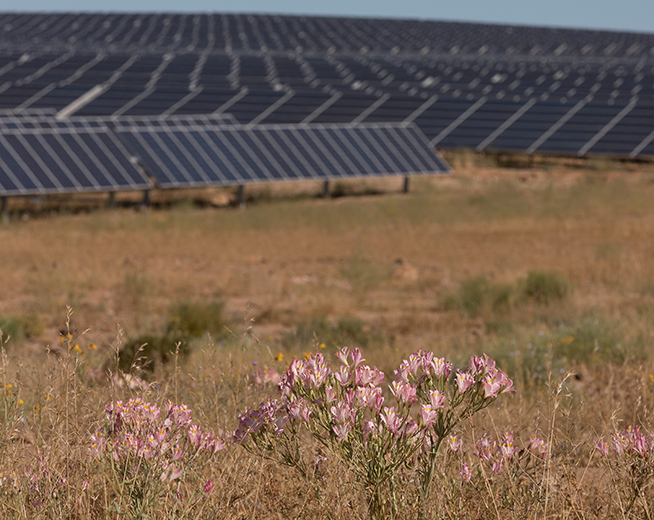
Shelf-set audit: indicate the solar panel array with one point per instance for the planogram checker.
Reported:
(78, 90)
(205, 156)
(465, 85)
(41, 154)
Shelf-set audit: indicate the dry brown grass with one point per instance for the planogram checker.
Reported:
(285, 261)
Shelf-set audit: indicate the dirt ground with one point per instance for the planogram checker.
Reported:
(375, 253)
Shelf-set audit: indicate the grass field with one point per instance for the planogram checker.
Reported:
(548, 270)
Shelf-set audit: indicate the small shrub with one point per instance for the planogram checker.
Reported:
(149, 351)
(195, 319)
(32, 325)
(545, 287)
(12, 328)
(478, 295)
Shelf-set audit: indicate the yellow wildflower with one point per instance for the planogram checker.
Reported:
(279, 357)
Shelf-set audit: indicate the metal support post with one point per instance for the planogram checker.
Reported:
(146, 198)
(241, 196)
(325, 190)
(4, 209)
(406, 184)
(111, 201)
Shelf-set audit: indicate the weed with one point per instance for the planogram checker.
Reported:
(196, 318)
(12, 328)
(477, 296)
(150, 351)
(545, 287)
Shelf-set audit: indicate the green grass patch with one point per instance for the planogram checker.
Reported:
(347, 331)
(589, 341)
(196, 318)
(545, 287)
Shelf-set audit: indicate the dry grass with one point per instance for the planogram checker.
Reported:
(284, 262)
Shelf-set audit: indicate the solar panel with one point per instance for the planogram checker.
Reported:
(205, 156)
(65, 160)
(529, 89)
(179, 120)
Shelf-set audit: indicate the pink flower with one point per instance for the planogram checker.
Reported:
(427, 415)
(464, 381)
(466, 474)
(178, 453)
(496, 467)
(367, 396)
(364, 375)
(409, 427)
(343, 375)
(357, 358)
(391, 420)
(299, 410)
(342, 412)
(343, 354)
(437, 399)
(341, 431)
(330, 395)
(195, 435)
(508, 448)
(171, 473)
(620, 442)
(540, 446)
(640, 444)
(208, 487)
(404, 392)
(491, 386)
(454, 443)
(476, 365)
(484, 448)
(442, 368)
(370, 427)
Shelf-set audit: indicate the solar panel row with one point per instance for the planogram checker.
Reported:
(203, 156)
(263, 33)
(42, 155)
(464, 85)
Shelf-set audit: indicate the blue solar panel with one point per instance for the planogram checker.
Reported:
(474, 85)
(70, 160)
(182, 156)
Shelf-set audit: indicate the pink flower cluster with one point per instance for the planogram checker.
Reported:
(371, 427)
(260, 377)
(630, 441)
(496, 455)
(482, 369)
(138, 435)
(350, 399)
(422, 365)
(271, 416)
